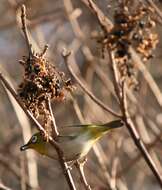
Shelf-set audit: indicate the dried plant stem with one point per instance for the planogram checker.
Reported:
(129, 124)
(85, 89)
(63, 164)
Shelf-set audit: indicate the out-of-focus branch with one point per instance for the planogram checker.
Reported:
(115, 164)
(4, 187)
(157, 10)
(12, 167)
(105, 23)
(138, 156)
(148, 77)
(26, 132)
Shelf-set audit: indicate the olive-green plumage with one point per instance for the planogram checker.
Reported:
(75, 141)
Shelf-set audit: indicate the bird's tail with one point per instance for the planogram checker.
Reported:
(113, 124)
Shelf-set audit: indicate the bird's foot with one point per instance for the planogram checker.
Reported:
(82, 160)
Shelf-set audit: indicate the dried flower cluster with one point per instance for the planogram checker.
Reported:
(133, 26)
(42, 82)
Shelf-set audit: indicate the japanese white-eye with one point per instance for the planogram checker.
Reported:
(75, 141)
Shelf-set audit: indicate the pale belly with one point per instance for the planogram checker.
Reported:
(76, 148)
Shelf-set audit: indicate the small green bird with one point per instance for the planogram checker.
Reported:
(75, 141)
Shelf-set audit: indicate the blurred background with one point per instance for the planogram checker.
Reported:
(115, 162)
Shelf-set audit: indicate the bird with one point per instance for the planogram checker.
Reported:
(75, 141)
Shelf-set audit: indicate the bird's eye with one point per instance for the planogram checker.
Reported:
(34, 139)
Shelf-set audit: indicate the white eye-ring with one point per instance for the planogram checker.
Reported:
(34, 139)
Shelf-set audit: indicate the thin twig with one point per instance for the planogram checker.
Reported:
(80, 167)
(85, 89)
(24, 28)
(55, 132)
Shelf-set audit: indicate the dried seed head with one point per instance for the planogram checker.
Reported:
(41, 81)
(133, 26)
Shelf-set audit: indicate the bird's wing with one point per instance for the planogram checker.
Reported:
(71, 130)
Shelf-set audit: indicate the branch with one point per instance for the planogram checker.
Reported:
(130, 126)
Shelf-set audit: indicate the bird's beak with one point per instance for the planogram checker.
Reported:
(24, 147)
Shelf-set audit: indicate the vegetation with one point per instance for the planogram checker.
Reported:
(100, 62)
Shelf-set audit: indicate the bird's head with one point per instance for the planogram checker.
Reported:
(37, 143)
